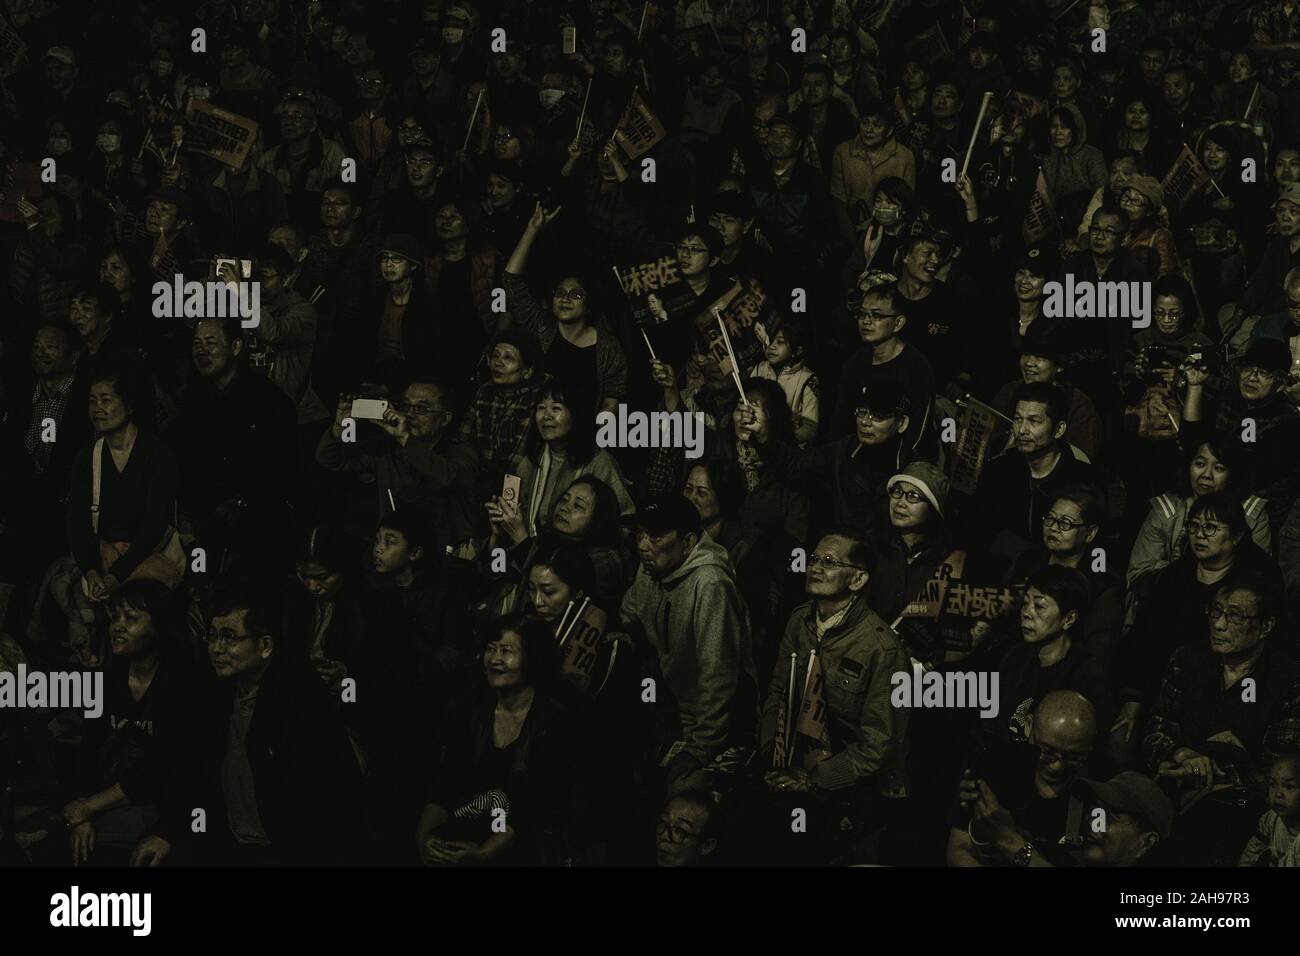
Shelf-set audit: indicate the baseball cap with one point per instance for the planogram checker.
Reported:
(64, 54)
(1290, 192)
(1046, 339)
(1272, 355)
(1040, 260)
(1135, 793)
(669, 513)
(931, 482)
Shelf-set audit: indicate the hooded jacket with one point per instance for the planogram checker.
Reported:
(1077, 168)
(698, 627)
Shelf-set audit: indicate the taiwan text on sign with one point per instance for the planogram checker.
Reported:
(221, 134)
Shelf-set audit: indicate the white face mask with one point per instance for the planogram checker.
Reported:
(887, 215)
(59, 145)
(453, 34)
(108, 142)
(550, 98)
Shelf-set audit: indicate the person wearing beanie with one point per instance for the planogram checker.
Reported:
(397, 322)
(1269, 456)
(916, 547)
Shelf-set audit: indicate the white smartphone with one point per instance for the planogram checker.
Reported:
(369, 408)
(510, 488)
(570, 40)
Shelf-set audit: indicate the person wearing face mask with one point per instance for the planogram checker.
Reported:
(556, 116)
(860, 164)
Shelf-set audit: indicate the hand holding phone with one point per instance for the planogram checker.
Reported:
(371, 409)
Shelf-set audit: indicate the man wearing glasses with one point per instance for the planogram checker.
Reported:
(1014, 797)
(884, 356)
(304, 162)
(415, 459)
(1260, 417)
(411, 207)
(1227, 706)
(272, 763)
(859, 764)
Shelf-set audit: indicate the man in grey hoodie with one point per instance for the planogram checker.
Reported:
(685, 602)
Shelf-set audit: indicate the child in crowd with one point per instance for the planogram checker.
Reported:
(784, 364)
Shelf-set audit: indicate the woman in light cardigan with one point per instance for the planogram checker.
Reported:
(559, 448)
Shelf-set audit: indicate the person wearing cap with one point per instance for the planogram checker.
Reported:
(1149, 235)
(1262, 373)
(685, 605)
(1014, 797)
(1138, 817)
(859, 763)
(916, 546)
(397, 324)
(858, 164)
(1206, 730)
(1285, 327)
(846, 476)
(1044, 351)
(1264, 293)
(412, 206)
(1015, 490)
(304, 161)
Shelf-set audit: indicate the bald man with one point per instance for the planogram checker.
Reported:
(1015, 798)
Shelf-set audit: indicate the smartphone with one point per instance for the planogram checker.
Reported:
(570, 40)
(243, 266)
(369, 408)
(510, 488)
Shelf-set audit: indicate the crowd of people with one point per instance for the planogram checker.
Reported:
(369, 584)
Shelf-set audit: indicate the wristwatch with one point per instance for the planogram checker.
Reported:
(1022, 855)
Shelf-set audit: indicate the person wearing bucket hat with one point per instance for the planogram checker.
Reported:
(1149, 236)
(398, 324)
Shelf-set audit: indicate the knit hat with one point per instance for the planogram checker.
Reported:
(1272, 355)
(408, 247)
(1150, 188)
(932, 482)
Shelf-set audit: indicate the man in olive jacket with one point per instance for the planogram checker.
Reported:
(861, 754)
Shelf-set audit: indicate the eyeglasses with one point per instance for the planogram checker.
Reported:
(1235, 617)
(1098, 231)
(1063, 524)
(227, 637)
(909, 495)
(1207, 529)
(418, 408)
(867, 415)
(871, 317)
(676, 832)
(389, 257)
(692, 250)
(1255, 372)
(826, 561)
(419, 163)
(1055, 756)
(575, 295)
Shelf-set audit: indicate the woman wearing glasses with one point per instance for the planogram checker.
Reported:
(578, 348)
(1172, 613)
